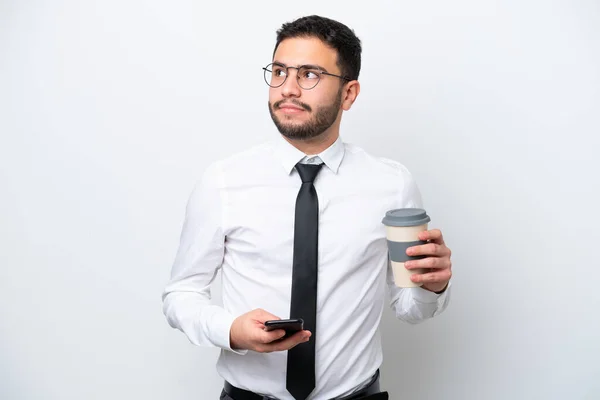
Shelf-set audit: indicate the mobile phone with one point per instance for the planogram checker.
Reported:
(290, 326)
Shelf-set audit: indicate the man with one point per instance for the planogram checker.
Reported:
(295, 227)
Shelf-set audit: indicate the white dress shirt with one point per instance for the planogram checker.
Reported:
(240, 218)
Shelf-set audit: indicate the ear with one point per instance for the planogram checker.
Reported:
(350, 94)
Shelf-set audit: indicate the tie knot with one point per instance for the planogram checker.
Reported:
(308, 172)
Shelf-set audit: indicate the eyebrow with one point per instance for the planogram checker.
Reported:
(310, 66)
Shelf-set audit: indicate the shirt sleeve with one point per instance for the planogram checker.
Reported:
(414, 305)
(187, 303)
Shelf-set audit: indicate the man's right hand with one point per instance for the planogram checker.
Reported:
(248, 333)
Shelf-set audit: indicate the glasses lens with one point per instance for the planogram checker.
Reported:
(308, 77)
(275, 75)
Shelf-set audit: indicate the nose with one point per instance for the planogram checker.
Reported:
(290, 87)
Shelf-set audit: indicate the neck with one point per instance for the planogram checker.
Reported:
(317, 144)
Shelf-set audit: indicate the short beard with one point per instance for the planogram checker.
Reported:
(323, 119)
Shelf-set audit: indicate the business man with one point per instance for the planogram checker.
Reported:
(295, 226)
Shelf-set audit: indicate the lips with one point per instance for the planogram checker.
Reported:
(291, 110)
(291, 107)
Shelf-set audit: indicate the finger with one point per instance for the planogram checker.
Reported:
(434, 235)
(292, 341)
(429, 249)
(269, 336)
(429, 262)
(432, 277)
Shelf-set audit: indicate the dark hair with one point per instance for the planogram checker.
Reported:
(335, 34)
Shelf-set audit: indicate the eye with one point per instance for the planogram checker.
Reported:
(310, 74)
(278, 71)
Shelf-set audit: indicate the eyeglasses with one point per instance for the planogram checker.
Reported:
(308, 76)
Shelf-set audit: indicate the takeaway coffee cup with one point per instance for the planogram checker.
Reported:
(402, 229)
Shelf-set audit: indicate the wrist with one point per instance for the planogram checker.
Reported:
(437, 289)
(233, 342)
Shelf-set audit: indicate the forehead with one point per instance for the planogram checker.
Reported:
(310, 50)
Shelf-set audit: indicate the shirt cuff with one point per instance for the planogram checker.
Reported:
(425, 296)
(220, 328)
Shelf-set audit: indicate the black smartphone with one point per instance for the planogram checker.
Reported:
(290, 326)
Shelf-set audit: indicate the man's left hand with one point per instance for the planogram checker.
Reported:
(437, 264)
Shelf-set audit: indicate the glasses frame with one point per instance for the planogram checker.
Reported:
(287, 74)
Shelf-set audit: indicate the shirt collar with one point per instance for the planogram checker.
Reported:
(289, 155)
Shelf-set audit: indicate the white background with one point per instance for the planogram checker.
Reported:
(110, 110)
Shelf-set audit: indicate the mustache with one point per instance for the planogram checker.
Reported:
(297, 103)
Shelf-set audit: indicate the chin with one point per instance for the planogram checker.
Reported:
(290, 122)
(290, 117)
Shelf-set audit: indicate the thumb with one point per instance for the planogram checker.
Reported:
(262, 315)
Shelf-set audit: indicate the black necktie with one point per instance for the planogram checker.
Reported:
(301, 358)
